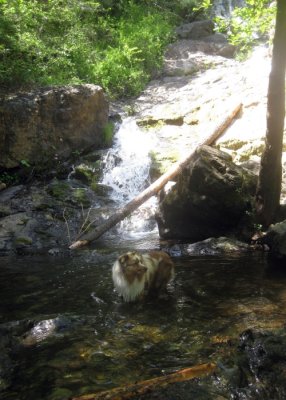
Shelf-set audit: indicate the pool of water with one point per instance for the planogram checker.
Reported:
(68, 333)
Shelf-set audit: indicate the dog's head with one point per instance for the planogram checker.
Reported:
(131, 263)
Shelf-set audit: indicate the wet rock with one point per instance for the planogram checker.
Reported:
(276, 240)
(39, 217)
(195, 30)
(46, 328)
(264, 361)
(211, 198)
(198, 48)
(34, 124)
(215, 246)
(185, 57)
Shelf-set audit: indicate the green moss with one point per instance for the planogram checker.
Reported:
(59, 190)
(108, 132)
(23, 240)
(84, 173)
(256, 149)
(79, 196)
(150, 123)
(233, 144)
(161, 162)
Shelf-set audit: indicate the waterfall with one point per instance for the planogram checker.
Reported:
(224, 8)
(126, 172)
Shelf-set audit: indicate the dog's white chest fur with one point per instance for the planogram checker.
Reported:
(128, 291)
(137, 275)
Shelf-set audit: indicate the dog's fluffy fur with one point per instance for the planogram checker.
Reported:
(137, 275)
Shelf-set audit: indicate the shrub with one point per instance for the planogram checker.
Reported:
(248, 24)
(60, 42)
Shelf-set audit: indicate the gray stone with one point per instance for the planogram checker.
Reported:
(49, 124)
(276, 240)
(211, 198)
(195, 30)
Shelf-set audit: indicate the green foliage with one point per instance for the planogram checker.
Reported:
(248, 24)
(9, 178)
(117, 44)
(127, 64)
(108, 131)
(184, 9)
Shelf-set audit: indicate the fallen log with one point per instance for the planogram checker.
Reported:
(138, 389)
(154, 188)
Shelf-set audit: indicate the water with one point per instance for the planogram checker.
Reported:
(128, 162)
(126, 171)
(87, 340)
(224, 8)
(65, 332)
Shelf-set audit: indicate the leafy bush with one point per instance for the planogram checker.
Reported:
(126, 66)
(248, 24)
(117, 44)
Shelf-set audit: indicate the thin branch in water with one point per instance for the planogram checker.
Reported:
(67, 225)
(84, 228)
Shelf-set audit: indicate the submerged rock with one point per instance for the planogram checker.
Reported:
(210, 247)
(211, 198)
(46, 328)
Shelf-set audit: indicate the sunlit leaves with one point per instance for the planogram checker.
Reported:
(248, 24)
(113, 43)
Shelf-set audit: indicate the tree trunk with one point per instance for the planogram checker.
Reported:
(154, 187)
(138, 389)
(270, 175)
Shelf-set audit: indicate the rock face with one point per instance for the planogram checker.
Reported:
(49, 124)
(276, 240)
(211, 197)
(197, 47)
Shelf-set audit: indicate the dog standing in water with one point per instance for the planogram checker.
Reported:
(137, 275)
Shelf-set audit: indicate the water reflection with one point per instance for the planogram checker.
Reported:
(70, 333)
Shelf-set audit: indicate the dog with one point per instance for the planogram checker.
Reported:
(136, 276)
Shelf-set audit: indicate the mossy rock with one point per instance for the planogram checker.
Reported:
(59, 190)
(63, 192)
(152, 122)
(252, 149)
(23, 241)
(85, 173)
(89, 170)
(80, 197)
(108, 133)
(232, 144)
(160, 163)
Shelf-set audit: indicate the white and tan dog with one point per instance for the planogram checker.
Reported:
(137, 275)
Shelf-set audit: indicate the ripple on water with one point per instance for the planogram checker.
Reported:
(73, 328)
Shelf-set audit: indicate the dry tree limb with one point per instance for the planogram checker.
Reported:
(155, 186)
(140, 388)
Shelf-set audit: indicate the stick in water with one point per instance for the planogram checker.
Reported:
(154, 188)
(139, 388)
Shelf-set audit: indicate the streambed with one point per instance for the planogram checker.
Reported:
(65, 332)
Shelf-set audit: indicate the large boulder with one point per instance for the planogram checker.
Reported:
(211, 198)
(49, 124)
(276, 240)
(195, 30)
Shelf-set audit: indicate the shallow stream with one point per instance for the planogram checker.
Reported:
(73, 335)
(65, 332)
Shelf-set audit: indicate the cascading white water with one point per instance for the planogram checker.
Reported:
(224, 8)
(126, 171)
